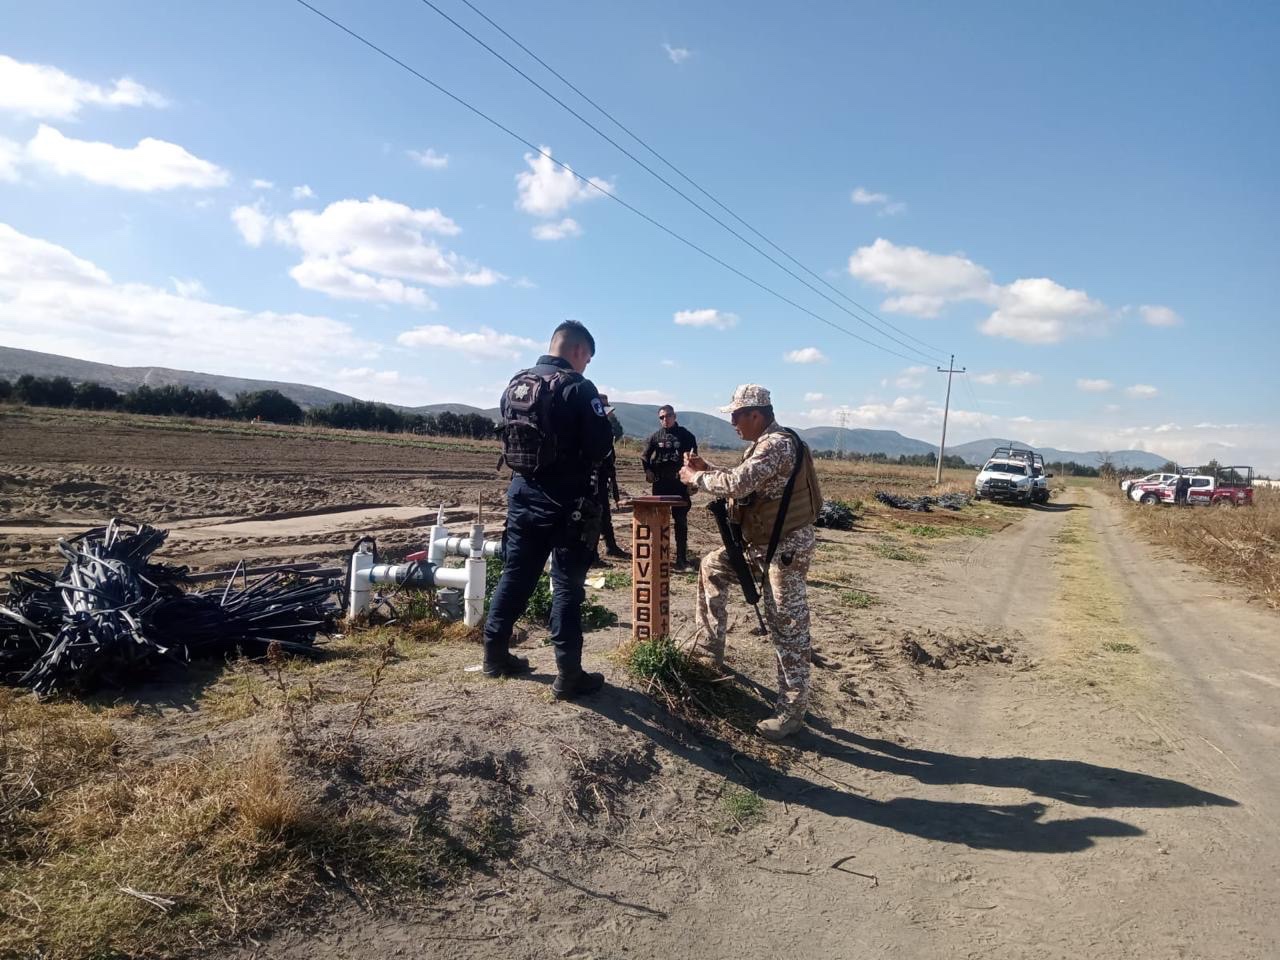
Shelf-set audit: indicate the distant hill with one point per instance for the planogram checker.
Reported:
(977, 451)
(638, 419)
(14, 363)
(889, 442)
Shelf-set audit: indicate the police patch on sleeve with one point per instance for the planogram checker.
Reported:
(598, 407)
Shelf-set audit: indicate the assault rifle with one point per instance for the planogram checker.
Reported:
(731, 536)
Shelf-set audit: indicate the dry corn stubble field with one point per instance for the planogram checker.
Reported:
(382, 801)
(1236, 544)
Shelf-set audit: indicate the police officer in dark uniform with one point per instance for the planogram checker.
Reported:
(662, 458)
(555, 435)
(607, 485)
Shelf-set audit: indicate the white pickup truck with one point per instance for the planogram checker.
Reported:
(1005, 478)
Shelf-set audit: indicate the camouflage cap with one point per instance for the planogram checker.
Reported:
(748, 395)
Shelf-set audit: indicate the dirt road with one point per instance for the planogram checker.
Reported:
(1114, 796)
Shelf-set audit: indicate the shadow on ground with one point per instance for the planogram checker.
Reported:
(1016, 827)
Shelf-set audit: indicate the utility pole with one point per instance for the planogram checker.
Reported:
(841, 418)
(946, 411)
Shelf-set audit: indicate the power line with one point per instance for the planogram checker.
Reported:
(688, 179)
(982, 410)
(660, 178)
(612, 196)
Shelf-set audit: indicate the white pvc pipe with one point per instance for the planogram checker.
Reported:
(358, 601)
(465, 546)
(470, 578)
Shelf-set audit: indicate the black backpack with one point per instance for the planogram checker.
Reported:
(529, 441)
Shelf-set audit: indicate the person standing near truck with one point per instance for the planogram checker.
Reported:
(662, 458)
(1180, 490)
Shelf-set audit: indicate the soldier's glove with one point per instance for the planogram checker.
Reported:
(649, 477)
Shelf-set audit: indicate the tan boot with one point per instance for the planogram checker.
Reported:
(778, 728)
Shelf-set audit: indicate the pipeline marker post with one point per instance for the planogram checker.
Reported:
(651, 566)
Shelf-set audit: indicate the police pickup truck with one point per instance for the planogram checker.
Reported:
(1012, 474)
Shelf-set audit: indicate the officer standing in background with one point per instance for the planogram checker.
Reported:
(1181, 487)
(775, 496)
(662, 458)
(555, 434)
(607, 485)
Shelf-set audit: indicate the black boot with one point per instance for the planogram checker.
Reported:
(576, 685)
(513, 666)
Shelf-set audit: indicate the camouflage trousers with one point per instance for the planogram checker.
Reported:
(786, 609)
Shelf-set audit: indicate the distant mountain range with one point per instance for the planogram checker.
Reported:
(14, 363)
(638, 420)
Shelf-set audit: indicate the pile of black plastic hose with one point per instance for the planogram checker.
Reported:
(949, 501)
(835, 515)
(111, 614)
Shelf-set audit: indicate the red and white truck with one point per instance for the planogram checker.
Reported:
(1224, 487)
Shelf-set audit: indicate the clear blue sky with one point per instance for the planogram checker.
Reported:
(1078, 200)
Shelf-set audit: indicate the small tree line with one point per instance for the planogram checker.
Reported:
(949, 461)
(270, 406)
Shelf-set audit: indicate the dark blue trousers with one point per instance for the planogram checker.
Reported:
(536, 521)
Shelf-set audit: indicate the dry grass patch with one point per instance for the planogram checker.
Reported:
(166, 860)
(1237, 544)
(107, 854)
(1097, 643)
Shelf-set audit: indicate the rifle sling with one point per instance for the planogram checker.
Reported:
(780, 519)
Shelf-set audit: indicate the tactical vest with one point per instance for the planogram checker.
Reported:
(758, 514)
(529, 441)
(666, 453)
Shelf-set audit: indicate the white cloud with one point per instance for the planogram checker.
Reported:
(805, 355)
(568, 227)
(716, 319)
(1041, 311)
(1031, 310)
(863, 197)
(913, 415)
(1008, 378)
(429, 159)
(371, 249)
(330, 276)
(1143, 391)
(151, 165)
(303, 192)
(368, 373)
(909, 379)
(190, 289)
(923, 282)
(44, 92)
(1093, 386)
(252, 223)
(263, 185)
(547, 189)
(677, 54)
(483, 344)
(1157, 316)
(56, 302)
(654, 397)
(668, 363)
(814, 397)
(10, 158)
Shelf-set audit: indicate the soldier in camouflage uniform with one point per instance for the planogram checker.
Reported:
(755, 488)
